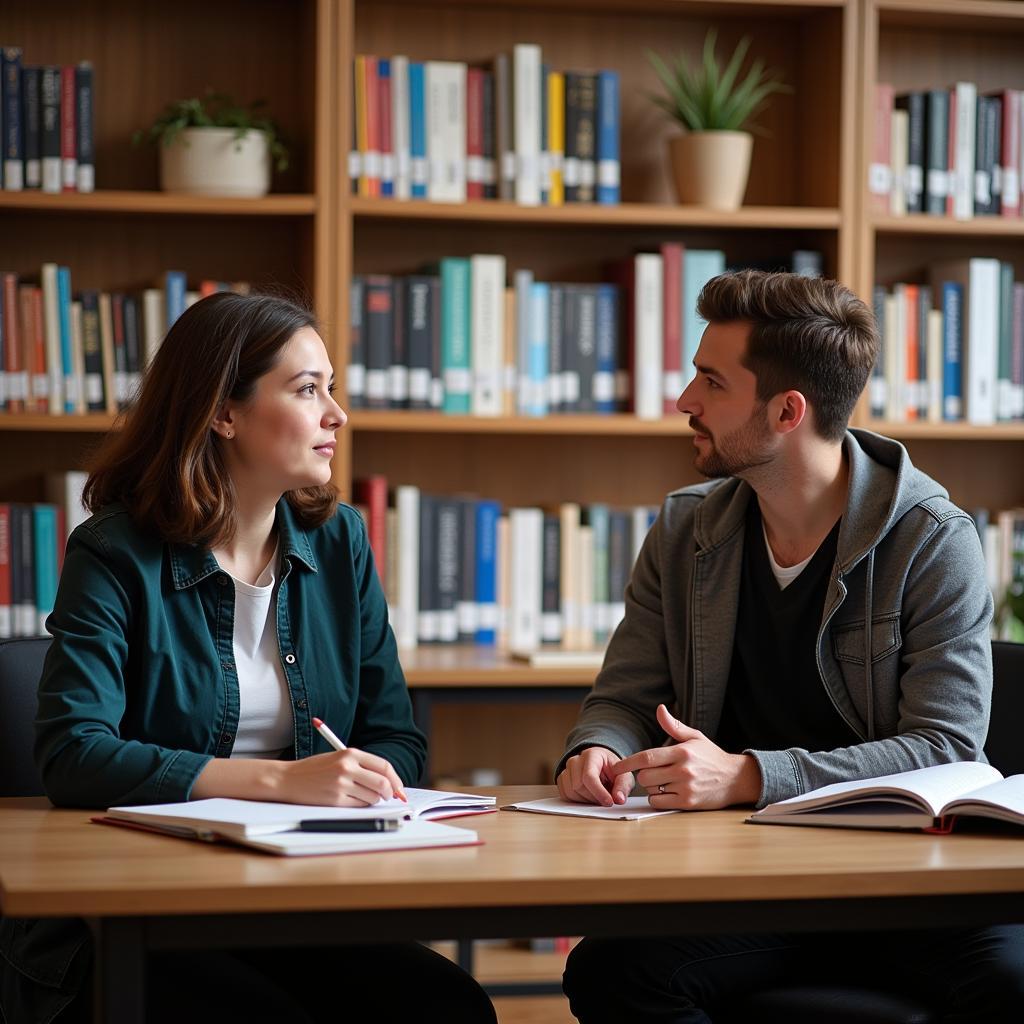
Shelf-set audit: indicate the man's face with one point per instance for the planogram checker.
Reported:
(731, 428)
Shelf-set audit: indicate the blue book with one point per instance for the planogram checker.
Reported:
(417, 131)
(456, 364)
(599, 519)
(13, 146)
(174, 288)
(699, 266)
(608, 162)
(64, 323)
(607, 347)
(387, 163)
(487, 515)
(537, 356)
(952, 350)
(44, 535)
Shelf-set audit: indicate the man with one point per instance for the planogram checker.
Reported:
(816, 613)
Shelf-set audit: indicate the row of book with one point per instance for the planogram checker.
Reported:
(47, 123)
(66, 353)
(1002, 541)
(512, 128)
(952, 349)
(464, 342)
(947, 152)
(32, 542)
(463, 570)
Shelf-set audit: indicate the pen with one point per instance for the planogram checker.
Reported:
(325, 731)
(349, 825)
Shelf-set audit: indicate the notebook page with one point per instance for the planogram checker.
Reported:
(636, 808)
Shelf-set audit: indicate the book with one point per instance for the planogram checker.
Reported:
(558, 657)
(930, 798)
(636, 808)
(275, 828)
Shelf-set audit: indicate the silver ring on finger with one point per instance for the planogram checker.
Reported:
(661, 788)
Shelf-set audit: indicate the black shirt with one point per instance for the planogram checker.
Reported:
(775, 697)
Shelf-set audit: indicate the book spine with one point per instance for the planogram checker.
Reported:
(503, 125)
(569, 523)
(44, 538)
(474, 133)
(525, 528)
(407, 504)
(880, 168)
(400, 126)
(1009, 199)
(372, 492)
(132, 348)
(937, 155)
(465, 606)
(924, 308)
(428, 624)
(964, 155)
(6, 609)
(417, 132)
(378, 325)
(398, 370)
(526, 71)
(899, 126)
(559, 399)
(355, 156)
(32, 126)
(92, 355)
(154, 322)
(120, 352)
(436, 344)
(487, 325)
(909, 340)
(455, 335)
(85, 173)
(556, 138)
(672, 325)
(448, 516)
(1004, 358)
(446, 130)
(568, 352)
(537, 365)
(49, 90)
(544, 160)
(551, 613)
(586, 344)
(982, 183)
(878, 386)
(586, 131)
(13, 376)
(608, 129)
(647, 332)
(490, 140)
(355, 375)
(11, 116)
(68, 160)
(387, 156)
(1017, 354)
(487, 515)
(70, 390)
(419, 321)
(619, 565)
(993, 132)
(372, 154)
(598, 518)
(913, 184)
(523, 284)
(24, 571)
(607, 348)
(174, 289)
(360, 117)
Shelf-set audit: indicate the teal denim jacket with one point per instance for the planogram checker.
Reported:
(139, 690)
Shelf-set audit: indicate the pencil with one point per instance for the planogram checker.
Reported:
(325, 730)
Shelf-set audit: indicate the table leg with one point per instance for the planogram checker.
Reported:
(119, 971)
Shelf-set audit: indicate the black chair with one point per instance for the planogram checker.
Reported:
(811, 1004)
(21, 665)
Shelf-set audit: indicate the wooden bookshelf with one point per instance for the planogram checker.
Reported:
(922, 44)
(148, 202)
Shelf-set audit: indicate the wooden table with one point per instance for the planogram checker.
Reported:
(535, 875)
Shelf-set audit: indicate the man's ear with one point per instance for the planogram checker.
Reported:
(789, 408)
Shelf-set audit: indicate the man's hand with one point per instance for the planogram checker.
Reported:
(693, 773)
(587, 778)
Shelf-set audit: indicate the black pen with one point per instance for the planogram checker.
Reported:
(349, 824)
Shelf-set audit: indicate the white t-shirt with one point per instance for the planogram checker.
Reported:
(784, 575)
(265, 725)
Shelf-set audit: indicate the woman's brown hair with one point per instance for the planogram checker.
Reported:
(165, 465)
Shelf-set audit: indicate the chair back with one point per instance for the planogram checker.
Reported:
(1003, 745)
(21, 666)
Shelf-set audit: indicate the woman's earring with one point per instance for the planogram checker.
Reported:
(229, 433)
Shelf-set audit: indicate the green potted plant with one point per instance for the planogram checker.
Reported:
(213, 146)
(714, 106)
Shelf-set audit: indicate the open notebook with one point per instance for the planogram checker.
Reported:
(276, 827)
(636, 808)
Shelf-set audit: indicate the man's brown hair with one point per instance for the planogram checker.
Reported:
(806, 333)
(166, 464)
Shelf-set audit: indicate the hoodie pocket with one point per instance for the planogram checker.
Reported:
(848, 640)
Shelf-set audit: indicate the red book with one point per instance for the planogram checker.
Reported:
(68, 150)
(373, 148)
(474, 133)
(672, 326)
(6, 611)
(372, 492)
(62, 537)
(34, 341)
(880, 171)
(387, 156)
(13, 348)
(911, 313)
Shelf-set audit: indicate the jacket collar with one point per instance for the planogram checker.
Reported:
(191, 563)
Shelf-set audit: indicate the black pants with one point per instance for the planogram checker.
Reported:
(973, 975)
(307, 985)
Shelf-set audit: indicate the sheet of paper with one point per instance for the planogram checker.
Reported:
(636, 808)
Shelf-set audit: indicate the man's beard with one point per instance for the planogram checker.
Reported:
(747, 447)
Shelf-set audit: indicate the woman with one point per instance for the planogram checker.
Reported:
(217, 600)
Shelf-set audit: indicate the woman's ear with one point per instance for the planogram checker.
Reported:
(224, 422)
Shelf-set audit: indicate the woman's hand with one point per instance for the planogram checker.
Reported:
(342, 778)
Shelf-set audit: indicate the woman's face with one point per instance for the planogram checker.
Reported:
(283, 437)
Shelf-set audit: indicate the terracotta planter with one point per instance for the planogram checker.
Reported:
(212, 162)
(711, 168)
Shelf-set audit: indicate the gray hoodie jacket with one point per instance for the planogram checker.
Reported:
(916, 687)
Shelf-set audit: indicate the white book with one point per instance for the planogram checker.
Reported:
(636, 808)
(560, 657)
(154, 322)
(406, 601)
(933, 365)
(647, 330)
(445, 87)
(526, 116)
(963, 156)
(526, 528)
(51, 328)
(899, 141)
(979, 278)
(400, 126)
(924, 798)
(487, 332)
(65, 489)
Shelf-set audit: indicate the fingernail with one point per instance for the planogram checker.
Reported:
(401, 796)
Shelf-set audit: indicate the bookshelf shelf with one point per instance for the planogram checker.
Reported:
(989, 14)
(949, 431)
(458, 667)
(624, 215)
(364, 421)
(977, 227)
(97, 423)
(147, 202)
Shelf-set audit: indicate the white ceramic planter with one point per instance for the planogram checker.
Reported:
(212, 162)
(711, 168)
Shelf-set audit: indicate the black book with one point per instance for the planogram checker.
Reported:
(398, 371)
(356, 378)
(913, 104)
(619, 562)
(448, 515)
(13, 152)
(428, 625)
(556, 350)
(49, 98)
(419, 326)
(994, 140)
(132, 346)
(32, 126)
(982, 159)
(586, 138)
(936, 166)
(120, 351)
(571, 163)
(92, 352)
(84, 143)
(551, 580)
(378, 330)
(436, 373)
(23, 571)
(567, 343)
(466, 607)
(489, 140)
(585, 298)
